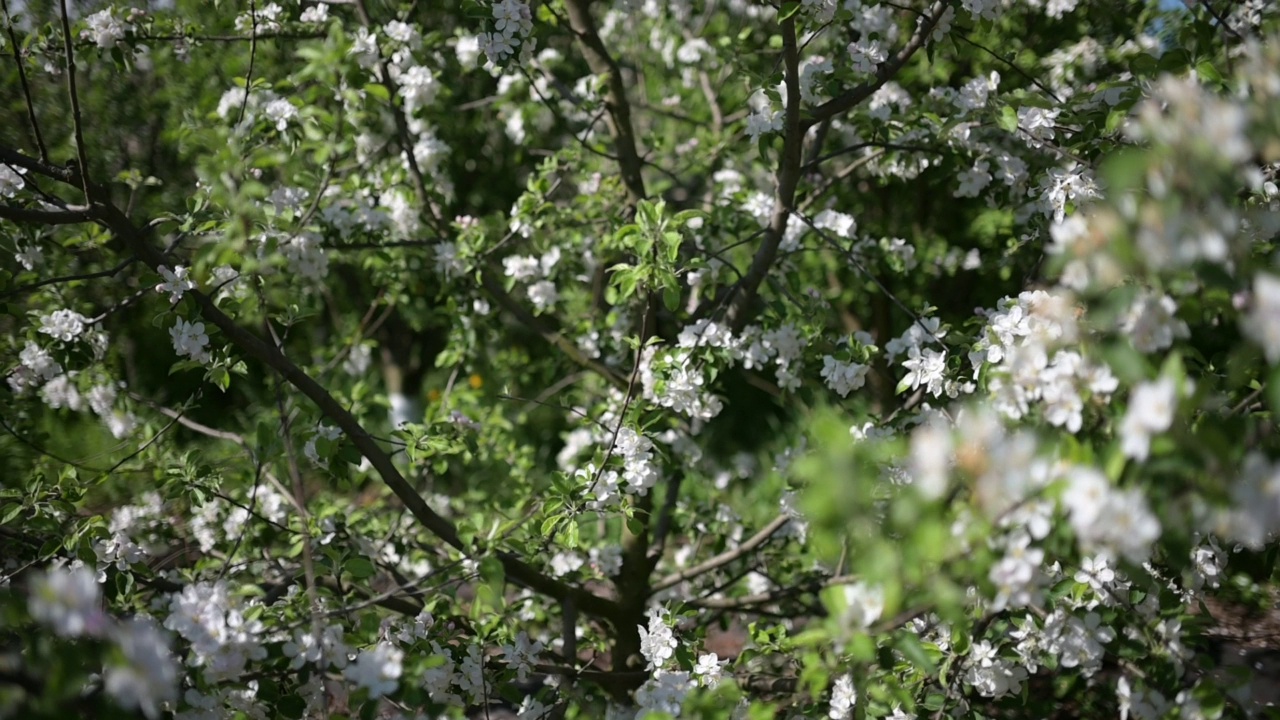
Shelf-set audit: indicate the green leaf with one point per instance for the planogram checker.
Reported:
(915, 653)
(671, 298)
(10, 513)
(349, 454)
(359, 568)
(1273, 390)
(789, 9)
(1008, 119)
(1115, 119)
(220, 377)
(379, 91)
(1207, 71)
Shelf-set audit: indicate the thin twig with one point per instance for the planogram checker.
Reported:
(22, 78)
(884, 72)
(1030, 78)
(253, 54)
(725, 557)
(77, 123)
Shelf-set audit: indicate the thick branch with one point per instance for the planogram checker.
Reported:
(603, 64)
(32, 216)
(787, 178)
(67, 175)
(852, 97)
(518, 570)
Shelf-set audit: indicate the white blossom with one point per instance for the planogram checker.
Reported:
(105, 29)
(843, 698)
(64, 325)
(147, 675)
(1151, 410)
(190, 340)
(377, 669)
(1262, 324)
(176, 282)
(657, 642)
(68, 601)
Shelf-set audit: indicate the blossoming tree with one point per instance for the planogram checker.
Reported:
(833, 358)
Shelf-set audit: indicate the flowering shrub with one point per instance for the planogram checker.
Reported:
(637, 359)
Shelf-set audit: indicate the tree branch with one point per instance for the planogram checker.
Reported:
(603, 64)
(725, 557)
(493, 286)
(787, 176)
(76, 121)
(22, 79)
(68, 175)
(32, 216)
(519, 571)
(884, 73)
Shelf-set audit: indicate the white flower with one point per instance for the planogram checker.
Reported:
(1151, 323)
(222, 640)
(843, 697)
(365, 47)
(31, 256)
(810, 71)
(763, 121)
(708, 670)
(468, 50)
(1151, 410)
(522, 655)
(974, 180)
(657, 642)
(306, 257)
(929, 462)
(10, 181)
(543, 295)
(563, 563)
(664, 693)
(39, 361)
(176, 282)
(867, 55)
(926, 368)
(148, 677)
(843, 377)
(496, 46)
(61, 392)
(377, 670)
(332, 433)
(1037, 124)
(315, 14)
(863, 604)
(64, 325)
(280, 112)
(1113, 521)
(1262, 325)
(418, 86)
(189, 339)
(104, 29)
(401, 32)
(68, 600)
(521, 267)
(839, 223)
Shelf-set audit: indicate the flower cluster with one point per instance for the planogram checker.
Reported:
(190, 340)
(70, 602)
(512, 28)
